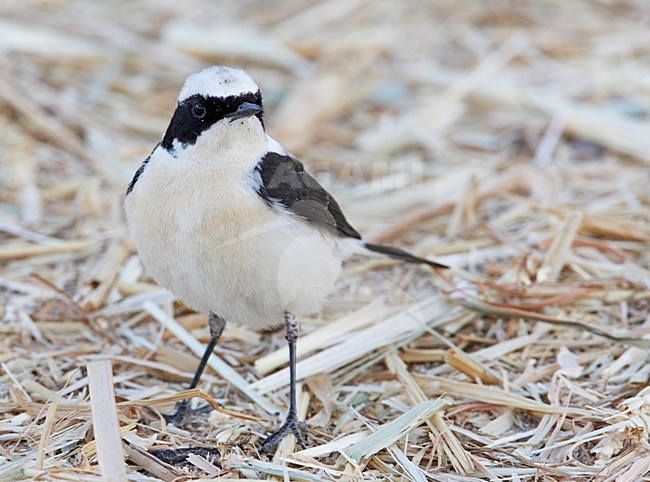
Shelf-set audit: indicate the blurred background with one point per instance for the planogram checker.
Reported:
(509, 139)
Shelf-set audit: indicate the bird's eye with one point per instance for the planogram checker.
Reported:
(198, 110)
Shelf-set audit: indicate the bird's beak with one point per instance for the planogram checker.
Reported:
(246, 109)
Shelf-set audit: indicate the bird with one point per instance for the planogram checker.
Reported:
(229, 221)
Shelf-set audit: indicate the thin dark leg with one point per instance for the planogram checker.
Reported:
(291, 424)
(204, 361)
(216, 324)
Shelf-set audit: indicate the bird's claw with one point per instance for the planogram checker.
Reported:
(183, 412)
(293, 425)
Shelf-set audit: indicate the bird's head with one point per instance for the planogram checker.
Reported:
(218, 107)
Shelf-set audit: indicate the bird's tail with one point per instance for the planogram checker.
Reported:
(400, 254)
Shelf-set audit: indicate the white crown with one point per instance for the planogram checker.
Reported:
(217, 81)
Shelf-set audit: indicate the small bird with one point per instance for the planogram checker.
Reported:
(231, 223)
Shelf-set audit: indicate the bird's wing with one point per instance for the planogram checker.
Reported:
(285, 183)
(140, 170)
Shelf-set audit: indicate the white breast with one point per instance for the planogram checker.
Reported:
(212, 241)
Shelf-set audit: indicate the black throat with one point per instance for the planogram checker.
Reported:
(186, 128)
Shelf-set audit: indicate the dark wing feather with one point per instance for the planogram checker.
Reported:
(139, 172)
(285, 183)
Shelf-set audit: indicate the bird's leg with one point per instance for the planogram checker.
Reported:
(216, 324)
(291, 424)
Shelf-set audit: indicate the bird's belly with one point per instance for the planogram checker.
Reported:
(249, 267)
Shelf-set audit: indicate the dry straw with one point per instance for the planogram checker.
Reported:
(509, 140)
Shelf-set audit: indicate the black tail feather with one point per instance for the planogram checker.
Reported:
(400, 254)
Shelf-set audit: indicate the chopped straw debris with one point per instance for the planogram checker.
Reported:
(509, 140)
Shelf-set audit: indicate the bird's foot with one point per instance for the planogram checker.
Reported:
(291, 425)
(183, 413)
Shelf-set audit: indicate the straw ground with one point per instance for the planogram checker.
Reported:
(507, 139)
